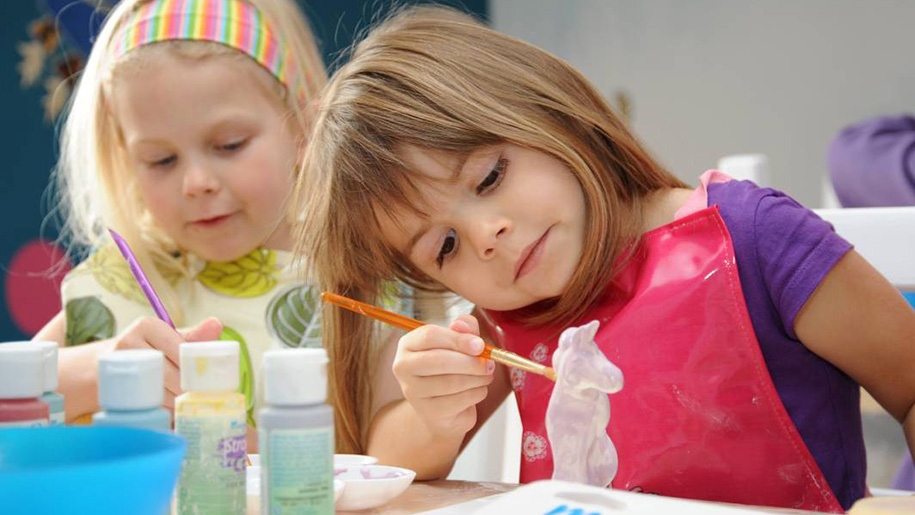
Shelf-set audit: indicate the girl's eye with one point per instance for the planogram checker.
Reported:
(166, 161)
(235, 145)
(448, 247)
(494, 177)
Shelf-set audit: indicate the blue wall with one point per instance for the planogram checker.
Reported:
(29, 144)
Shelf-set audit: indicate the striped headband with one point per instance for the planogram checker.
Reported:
(234, 23)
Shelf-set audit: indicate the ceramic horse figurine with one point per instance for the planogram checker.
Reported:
(579, 409)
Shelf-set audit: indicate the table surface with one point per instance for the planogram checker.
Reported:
(429, 495)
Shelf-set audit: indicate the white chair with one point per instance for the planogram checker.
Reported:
(747, 167)
(885, 236)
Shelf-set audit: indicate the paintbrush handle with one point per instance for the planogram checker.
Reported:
(141, 279)
(507, 358)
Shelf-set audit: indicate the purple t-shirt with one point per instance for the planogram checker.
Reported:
(783, 252)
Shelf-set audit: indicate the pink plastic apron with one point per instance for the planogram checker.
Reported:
(699, 416)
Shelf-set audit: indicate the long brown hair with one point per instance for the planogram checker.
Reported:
(434, 78)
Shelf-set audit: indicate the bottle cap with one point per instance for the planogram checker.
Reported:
(209, 366)
(293, 377)
(131, 379)
(50, 364)
(21, 370)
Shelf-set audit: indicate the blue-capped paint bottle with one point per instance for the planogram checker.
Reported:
(296, 434)
(130, 390)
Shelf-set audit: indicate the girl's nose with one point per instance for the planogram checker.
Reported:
(489, 235)
(199, 180)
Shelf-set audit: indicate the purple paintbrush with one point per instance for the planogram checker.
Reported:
(141, 278)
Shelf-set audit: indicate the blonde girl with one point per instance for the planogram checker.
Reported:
(453, 157)
(185, 135)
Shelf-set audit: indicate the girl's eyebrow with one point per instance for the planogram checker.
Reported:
(458, 169)
(423, 229)
(456, 172)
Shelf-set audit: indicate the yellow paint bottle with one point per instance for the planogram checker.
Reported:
(211, 416)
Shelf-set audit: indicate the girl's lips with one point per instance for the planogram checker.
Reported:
(531, 256)
(211, 222)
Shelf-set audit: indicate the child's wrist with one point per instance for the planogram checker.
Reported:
(79, 378)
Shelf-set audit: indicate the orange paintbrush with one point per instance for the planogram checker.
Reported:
(503, 356)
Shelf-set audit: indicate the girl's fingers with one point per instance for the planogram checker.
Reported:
(441, 386)
(439, 362)
(154, 333)
(448, 406)
(172, 379)
(430, 337)
(466, 324)
(208, 330)
(168, 402)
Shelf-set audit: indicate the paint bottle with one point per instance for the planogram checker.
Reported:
(211, 416)
(54, 400)
(296, 433)
(21, 384)
(130, 386)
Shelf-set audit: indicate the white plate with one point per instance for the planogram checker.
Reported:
(349, 460)
(370, 486)
(338, 489)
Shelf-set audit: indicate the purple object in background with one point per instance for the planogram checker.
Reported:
(905, 475)
(141, 278)
(872, 163)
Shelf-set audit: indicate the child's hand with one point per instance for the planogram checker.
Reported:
(440, 375)
(152, 333)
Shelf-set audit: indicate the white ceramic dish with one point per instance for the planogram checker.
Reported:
(338, 489)
(349, 460)
(370, 486)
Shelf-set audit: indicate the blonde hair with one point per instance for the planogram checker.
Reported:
(94, 184)
(434, 78)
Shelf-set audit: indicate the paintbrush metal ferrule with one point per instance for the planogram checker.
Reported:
(513, 360)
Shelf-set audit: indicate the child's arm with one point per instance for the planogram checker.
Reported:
(78, 365)
(857, 321)
(444, 387)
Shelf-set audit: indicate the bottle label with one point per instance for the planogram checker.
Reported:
(38, 422)
(57, 418)
(213, 473)
(297, 471)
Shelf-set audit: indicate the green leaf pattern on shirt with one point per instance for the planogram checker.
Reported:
(294, 317)
(88, 320)
(245, 374)
(252, 275)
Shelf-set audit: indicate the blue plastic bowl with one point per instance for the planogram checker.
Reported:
(88, 470)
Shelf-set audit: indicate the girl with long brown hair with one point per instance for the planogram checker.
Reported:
(455, 158)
